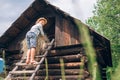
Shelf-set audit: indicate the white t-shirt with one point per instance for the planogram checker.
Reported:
(37, 29)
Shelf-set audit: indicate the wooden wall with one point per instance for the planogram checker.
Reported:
(66, 33)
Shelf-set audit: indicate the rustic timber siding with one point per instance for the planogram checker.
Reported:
(66, 32)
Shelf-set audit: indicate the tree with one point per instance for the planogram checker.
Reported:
(106, 21)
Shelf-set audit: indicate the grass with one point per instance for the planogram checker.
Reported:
(46, 67)
(1, 78)
(62, 69)
(90, 52)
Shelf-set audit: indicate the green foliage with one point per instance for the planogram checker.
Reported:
(62, 69)
(90, 52)
(46, 68)
(116, 73)
(1, 78)
(106, 21)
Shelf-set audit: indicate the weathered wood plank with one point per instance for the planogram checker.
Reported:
(70, 77)
(66, 32)
(22, 72)
(71, 65)
(73, 38)
(58, 32)
(63, 52)
(66, 58)
(53, 72)
(69, 58)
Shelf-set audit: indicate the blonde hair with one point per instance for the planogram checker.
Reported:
(42, 18)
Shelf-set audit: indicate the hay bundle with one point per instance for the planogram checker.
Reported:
(41, 43)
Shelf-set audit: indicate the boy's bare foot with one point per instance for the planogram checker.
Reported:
(33, 62)
(27, 61)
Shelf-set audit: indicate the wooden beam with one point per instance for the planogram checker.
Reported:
(53, 72)
(70, 65)
(56, 72)
(22, 72)
(64, 52)
(68, 58)
(69, 77)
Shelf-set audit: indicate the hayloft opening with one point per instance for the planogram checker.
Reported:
(50, 28)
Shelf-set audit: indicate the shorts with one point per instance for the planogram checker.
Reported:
(31, 39)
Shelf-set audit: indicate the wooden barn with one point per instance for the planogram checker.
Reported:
(67, 45)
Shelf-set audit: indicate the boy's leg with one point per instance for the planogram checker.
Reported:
(28, 45)
(33, 42)
(33, 50)
(28, 56)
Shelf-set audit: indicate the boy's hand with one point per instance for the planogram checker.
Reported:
(44, 37)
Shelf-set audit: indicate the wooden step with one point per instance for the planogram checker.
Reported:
(22, 72)
(24, 64)
(40, 56)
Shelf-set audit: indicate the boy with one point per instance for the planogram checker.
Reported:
(31, 38)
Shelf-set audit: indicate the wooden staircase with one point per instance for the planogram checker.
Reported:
(75, 66)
